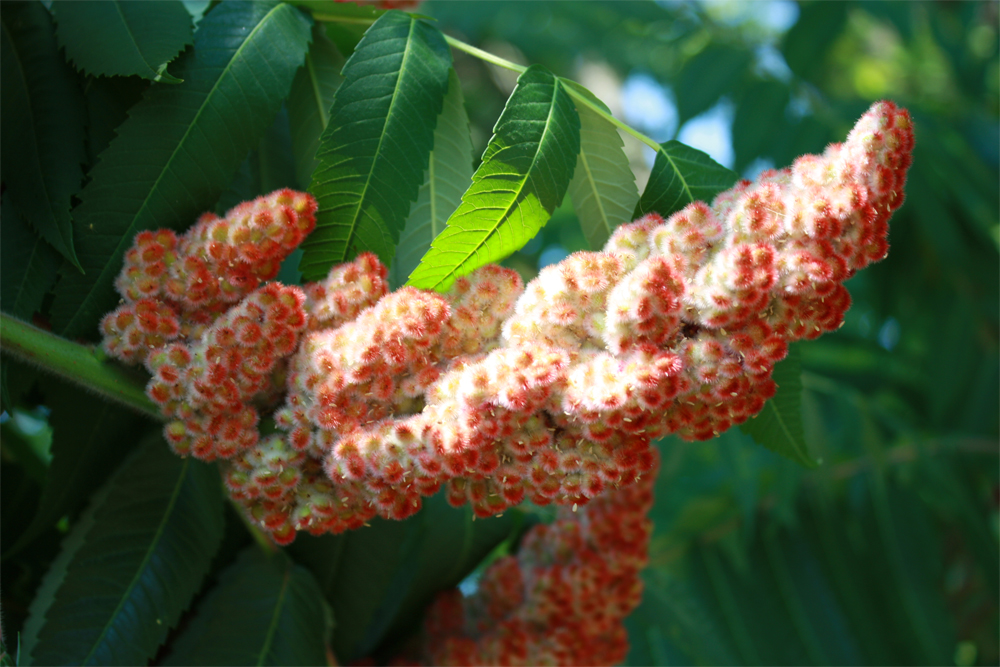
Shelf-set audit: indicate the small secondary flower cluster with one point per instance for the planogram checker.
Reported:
(562, 599)
(551, 393)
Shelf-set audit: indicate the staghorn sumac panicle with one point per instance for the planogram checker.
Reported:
(494, 391)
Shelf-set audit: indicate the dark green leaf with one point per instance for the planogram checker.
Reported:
(448, 175)
(375, 149)
(42, 125)
(850, 585)
(274, 155)
(268, 167)
(808, 42)
(356, 571)
(28, 265)
(524, 176)
(265, 610)
(89, 438)
(378, 578)
(760, 117)
(714, 72)
(16, 381)
(682, 175)
(309, 102)
(603, 186)
(108, 101)
(674, 624)
(130, 565)
(779, 425)
(181, 145)
(452, 544)
(116, 38)
(28, 438)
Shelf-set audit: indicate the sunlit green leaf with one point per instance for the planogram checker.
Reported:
(448, 174)
(376, 146)
(123, 38)
(524, 176)
(181, 145)
(130, 565)
(265, 610)
(42, 125)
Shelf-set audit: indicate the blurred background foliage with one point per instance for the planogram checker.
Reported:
(888, 552)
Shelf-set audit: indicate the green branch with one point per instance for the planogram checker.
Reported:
(83, 365)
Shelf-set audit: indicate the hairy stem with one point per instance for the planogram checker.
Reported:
(83, 365)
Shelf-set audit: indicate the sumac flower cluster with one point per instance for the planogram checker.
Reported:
(562, 599)
(494, 391)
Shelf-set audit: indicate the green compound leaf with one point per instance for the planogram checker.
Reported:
(155, 527)
(115, 38)
(42, 125)
(682, 175)
(310, 100)
(28, 265)
(181, 145)
(448, 174)
(779, 425)
(265, 610)
(524, 176)
(603, 186)
(375, 149)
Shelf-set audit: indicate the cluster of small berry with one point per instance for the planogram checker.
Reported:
(562, 599)
(496, 392)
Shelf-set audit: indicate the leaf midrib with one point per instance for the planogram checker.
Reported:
(128, 31)
(145, 560)
(125, 238)
(517, 192)
(593, 187)
(324, 117)
(378, 149)
(677, 171)
(275, 616)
